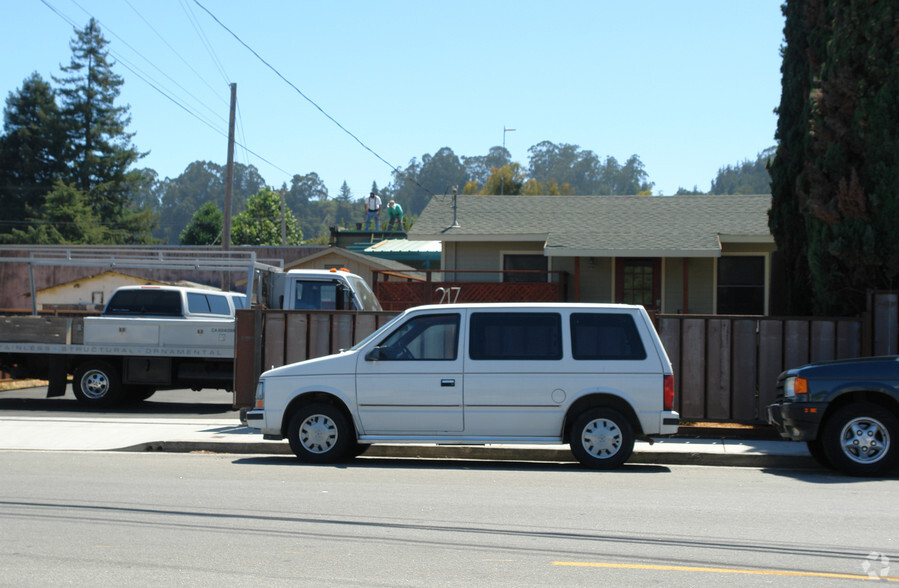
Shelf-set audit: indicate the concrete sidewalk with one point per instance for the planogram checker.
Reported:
(230, 436)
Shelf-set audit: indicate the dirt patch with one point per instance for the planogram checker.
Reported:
(20, 384)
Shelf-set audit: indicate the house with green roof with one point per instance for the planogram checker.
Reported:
(692, 254)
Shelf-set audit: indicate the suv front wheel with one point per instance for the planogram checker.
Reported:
(601, 438)
(860, 439)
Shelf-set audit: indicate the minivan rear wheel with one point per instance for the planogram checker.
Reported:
(601, 438)
(320, 433)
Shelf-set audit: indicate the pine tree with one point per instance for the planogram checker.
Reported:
(100, 150)
(31, 150)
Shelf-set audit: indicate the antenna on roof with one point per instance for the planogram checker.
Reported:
(455, 224)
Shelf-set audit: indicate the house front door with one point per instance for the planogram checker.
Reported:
(639, 281)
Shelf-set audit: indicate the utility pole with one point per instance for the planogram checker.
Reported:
(229, 181)
(502, 176)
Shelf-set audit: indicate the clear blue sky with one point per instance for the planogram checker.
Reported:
(687, 86)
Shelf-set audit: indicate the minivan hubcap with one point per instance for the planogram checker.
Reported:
(865, 440)
(601, 438)
(318, 433)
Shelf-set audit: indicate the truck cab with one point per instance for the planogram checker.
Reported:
(334, 289)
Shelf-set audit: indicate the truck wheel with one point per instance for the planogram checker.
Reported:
(860, 439)
(320, 433)
(601, 438)
(139, 393)
(97, 383)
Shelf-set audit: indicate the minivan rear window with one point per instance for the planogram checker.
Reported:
(516, 335)
(605, 336)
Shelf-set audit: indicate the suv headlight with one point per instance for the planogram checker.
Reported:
(260, 394)
(794, 386)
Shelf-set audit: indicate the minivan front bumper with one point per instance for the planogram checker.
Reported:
(256, 419)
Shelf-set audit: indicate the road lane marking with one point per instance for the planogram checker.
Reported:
(722, 570)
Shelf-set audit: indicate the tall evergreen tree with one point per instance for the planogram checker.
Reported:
(101, 152)
(835, 173)
(786, 218)
(31, 150)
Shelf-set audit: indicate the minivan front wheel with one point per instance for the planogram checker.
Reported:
(320, 433)
(601, 438)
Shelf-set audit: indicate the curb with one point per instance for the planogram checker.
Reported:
(489, 453)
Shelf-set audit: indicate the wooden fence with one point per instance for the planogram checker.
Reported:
(725, 367)
(271, 338)
(450, 286)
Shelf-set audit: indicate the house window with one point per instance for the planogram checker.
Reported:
(638, 281)
(741, 285)
(515, 263)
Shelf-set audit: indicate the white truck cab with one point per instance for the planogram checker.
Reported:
(311, 289)
(594, 376)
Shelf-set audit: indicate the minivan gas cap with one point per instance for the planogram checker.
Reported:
(559, 396)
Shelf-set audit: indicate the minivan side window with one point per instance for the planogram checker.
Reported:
(607, 336)
(432, 337)
(516, 335)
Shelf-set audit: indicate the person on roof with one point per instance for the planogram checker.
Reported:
(396, 216)
(373, 211)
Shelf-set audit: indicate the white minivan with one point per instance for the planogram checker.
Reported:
(593, 375)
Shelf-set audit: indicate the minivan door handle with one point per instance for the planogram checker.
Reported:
(447, 382)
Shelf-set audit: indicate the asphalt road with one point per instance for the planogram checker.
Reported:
(148, 519)
(204, 403)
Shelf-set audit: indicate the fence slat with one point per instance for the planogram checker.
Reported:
(693, 369)
(273, 354)
(319, 335)
(745, 370)
(342, 333)
(770, 361)
(795, 343)
(885, 328)
(366, 324)
(297, 327)
(718, 370)
(849, 339)
(823, 344)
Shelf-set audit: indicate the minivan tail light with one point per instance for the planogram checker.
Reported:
(669, 392)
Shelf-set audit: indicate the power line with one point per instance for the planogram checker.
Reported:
(308, 99)
(177, 54)
(199, 30)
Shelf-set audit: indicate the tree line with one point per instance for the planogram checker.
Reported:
(69, 174)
